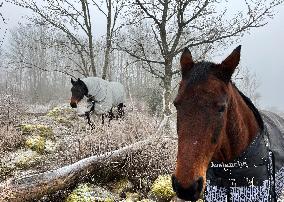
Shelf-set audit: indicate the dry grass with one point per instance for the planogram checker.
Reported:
(79, 141)
(74, 140)
(11, 113)
(10, 138)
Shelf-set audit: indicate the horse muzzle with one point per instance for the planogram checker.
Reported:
(191, 193)
(73, 104)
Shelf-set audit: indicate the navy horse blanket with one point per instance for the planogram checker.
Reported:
(258, 174)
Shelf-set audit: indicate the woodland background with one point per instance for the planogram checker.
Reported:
(143, 40)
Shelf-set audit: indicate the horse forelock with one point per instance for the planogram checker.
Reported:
(199, 72)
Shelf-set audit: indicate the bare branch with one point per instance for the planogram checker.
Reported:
(138, 57)
(147, 12)
(99, 7)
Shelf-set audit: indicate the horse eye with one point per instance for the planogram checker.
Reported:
(222, 108)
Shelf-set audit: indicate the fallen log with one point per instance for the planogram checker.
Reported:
(36, 186)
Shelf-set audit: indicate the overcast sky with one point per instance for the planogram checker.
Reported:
(262, 52)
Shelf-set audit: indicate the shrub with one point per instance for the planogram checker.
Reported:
(162, 187)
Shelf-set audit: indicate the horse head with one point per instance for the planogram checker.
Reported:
(203, 103)
(79, 90)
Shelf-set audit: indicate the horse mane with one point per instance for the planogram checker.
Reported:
(252, 108)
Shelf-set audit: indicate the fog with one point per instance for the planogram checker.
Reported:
(262, 50)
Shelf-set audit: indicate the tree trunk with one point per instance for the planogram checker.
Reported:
(86, 11)
(106, 62)
(36, 186)
(108, 42)
(92, 55)
(167, 81)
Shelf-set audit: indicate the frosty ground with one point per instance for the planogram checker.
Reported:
(46, 138)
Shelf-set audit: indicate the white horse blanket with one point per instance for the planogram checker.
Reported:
(105, 94)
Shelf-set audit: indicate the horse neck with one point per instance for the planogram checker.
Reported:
(241, 128)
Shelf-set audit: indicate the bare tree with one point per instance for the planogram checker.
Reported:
(33, 64)
(88, 31)
(1, 15)
(2, 19)
(161, 29)
(73, 19)
(113, 10)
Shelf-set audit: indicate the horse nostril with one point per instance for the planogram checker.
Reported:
(73, 105)
(199, 184)
(190, 193)
(174, 183)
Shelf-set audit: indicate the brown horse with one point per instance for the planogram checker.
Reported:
(215, 122)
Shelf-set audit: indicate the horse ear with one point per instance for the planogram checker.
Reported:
(80, 81)
(186, 61)
(72, 81)
(231, 62)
